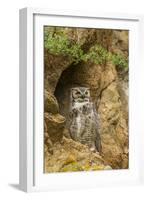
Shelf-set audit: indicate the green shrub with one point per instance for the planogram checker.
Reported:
(57, 43)
(97, 54)
(119, 61)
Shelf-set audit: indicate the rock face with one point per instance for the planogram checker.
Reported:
(120, 42)
(55, 126)
(113, 127)
(69, 156)
(108, 87)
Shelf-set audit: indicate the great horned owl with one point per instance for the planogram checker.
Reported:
(84, 120)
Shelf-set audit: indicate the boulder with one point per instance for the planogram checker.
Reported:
(55, 125)
(50, 103)
(70, 156)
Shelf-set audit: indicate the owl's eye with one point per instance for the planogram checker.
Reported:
(86, 92)
(77, 92)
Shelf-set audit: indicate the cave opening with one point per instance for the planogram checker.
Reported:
(70, 77)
